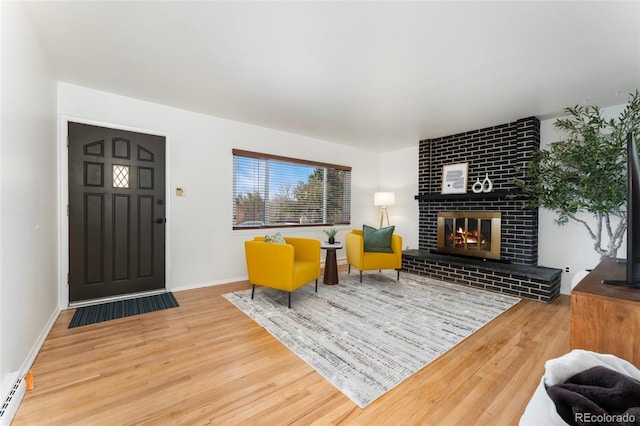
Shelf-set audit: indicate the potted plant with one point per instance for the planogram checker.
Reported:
(331, 233)
(585, 173)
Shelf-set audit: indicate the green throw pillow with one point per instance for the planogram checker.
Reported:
(377, 240)
(274, 238)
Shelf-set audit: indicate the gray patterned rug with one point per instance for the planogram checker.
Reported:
(367, 338)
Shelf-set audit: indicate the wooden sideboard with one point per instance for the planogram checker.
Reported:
(605, 318)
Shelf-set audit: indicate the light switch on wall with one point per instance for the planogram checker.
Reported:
(181, 192)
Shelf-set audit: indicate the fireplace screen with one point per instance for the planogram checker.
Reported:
(470, 233)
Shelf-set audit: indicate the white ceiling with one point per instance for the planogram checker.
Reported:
(375, 75)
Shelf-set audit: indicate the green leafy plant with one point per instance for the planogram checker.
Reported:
(331, 232)
(586, 173)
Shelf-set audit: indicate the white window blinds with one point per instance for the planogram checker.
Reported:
(274, 191)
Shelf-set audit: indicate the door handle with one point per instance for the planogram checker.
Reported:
(161, 220)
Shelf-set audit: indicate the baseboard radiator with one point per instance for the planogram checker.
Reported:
(11, 404)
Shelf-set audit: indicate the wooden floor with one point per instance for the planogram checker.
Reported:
(206, 362)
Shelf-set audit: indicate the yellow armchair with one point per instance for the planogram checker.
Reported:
(365, 261)
(285, 267)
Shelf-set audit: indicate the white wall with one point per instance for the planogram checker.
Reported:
(204, 249)
(570, 244)
(28, 199)
(399, 173)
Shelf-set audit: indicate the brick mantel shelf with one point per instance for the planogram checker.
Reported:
(495, 195)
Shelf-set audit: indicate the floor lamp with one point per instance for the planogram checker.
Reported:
(384, 199)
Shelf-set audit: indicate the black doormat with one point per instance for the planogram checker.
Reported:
(122, 308)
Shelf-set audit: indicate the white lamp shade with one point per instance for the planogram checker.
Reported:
(384, 198)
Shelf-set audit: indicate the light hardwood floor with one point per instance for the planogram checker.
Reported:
(206, 362)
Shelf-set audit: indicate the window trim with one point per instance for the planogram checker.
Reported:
(263, 156)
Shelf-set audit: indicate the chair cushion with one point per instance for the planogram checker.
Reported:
(377, 240)
(274, 238)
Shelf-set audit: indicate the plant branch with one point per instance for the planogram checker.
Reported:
(585, 172)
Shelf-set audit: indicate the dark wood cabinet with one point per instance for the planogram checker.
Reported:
(604, 318)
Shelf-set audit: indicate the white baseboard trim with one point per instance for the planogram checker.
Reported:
(341, 261)
(208, 284)
(13, 396)
(35, 349)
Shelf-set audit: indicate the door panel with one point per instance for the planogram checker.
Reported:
(116, 212)
(145, 237)
(121, 245)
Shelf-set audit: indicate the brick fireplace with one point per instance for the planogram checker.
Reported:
(495, 152)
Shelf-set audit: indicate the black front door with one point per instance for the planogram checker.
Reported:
(116, 212)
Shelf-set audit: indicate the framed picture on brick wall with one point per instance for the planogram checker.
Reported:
(454, 178)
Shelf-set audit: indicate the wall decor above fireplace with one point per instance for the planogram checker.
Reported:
(485, 186)
(454, 178)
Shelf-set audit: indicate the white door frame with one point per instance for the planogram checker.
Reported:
(63, 190)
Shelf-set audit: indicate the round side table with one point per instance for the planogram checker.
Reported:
(330, 263)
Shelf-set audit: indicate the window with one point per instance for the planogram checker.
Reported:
(120, 176)
(272, 191)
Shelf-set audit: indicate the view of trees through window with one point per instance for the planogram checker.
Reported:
(275, 191)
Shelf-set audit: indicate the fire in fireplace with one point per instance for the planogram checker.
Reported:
(470, 233)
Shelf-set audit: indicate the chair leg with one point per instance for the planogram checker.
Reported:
(289, 300)
(349, 269)
(253, 290)
(316, 285)
(398, 279)
(360, 277)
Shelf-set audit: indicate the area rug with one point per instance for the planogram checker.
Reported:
(122, 308)
(367, 338)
